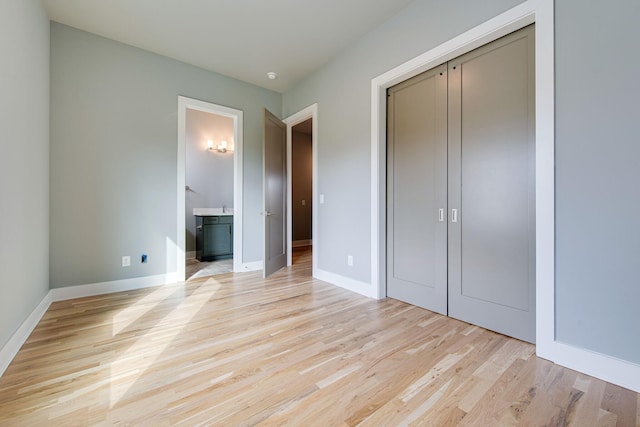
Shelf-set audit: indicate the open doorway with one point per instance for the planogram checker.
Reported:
(209, 189)
(209, 146)
(302, 210)
(301, 191)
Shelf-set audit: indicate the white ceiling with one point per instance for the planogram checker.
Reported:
(243, 39)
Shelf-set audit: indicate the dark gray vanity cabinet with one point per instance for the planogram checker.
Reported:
(214, 237)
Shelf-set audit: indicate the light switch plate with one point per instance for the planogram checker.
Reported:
(126, 261)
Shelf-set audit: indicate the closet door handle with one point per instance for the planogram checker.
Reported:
(454, 215)
(441, 215)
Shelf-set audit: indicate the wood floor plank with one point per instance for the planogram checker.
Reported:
(496, 406)
(237, 349)
(620, 402)
(589, 408)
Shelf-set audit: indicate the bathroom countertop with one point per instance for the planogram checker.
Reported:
(212, 211)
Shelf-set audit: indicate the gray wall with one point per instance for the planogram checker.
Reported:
(301, 185)
(597, 155)
(208, 173)
(24, 161)
(598, 176)
(113, 155)
(342, 91)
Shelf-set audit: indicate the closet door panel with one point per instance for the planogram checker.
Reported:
(416, 183)
(491, 183)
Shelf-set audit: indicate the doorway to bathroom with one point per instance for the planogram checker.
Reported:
(210, 143)
(209, 194)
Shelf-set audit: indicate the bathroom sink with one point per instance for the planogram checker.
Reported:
(212, 211)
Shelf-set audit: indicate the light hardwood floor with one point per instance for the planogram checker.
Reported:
(239, 350)
(195, 269)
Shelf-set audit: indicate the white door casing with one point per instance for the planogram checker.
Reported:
(185, 103)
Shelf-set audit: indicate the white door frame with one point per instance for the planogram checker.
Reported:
(185, 103)
(311, 112)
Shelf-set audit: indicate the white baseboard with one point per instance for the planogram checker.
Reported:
(347, 283)
(623, 373)
(81, 291)
(9, 351)
(620, 372)
(616, 371)
(300, 243)
(250, 266)
(191, 255)
(11, 348)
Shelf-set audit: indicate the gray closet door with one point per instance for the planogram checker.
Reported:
(417, 191)
(491, 186)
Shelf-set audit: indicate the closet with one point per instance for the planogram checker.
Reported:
(461, 187)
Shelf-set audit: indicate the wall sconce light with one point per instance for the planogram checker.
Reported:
(220, 148)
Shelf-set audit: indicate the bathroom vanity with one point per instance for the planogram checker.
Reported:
(214, 233)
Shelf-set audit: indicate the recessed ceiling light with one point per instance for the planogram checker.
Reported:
(272, 75)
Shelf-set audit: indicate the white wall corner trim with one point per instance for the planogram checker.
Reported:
(347, 283)
(623, 373)
(310, 112)
(545, 179)
(11, 348)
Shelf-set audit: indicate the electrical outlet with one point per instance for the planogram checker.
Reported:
(350, 260)
(143, 258)
(304, 202)
(126, 261)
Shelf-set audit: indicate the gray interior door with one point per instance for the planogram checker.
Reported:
(417, 191)
(275, 174)
(491, 186)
